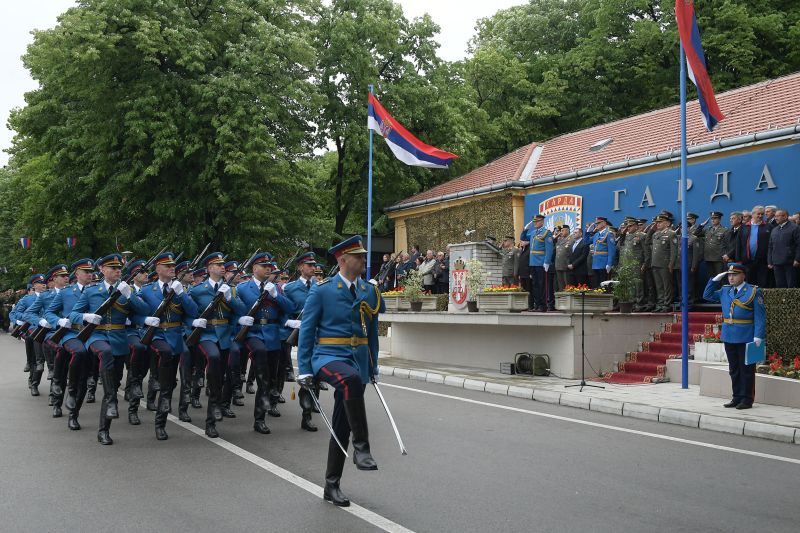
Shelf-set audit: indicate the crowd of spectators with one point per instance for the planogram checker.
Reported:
(433, 266)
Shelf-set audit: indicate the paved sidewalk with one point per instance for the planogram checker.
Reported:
(663, 402)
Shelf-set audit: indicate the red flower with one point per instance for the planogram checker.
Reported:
(797, 363)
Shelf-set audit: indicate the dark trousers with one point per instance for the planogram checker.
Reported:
(577, 277)
(743, 377)
(785, 276)
(758, 274)
(542, 295)
(347, 385)
(216, 366)
(102, 350)
(600, 275)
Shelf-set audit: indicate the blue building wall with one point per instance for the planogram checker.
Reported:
(768, 176)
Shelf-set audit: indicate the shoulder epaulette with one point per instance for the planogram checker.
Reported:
(324, 281)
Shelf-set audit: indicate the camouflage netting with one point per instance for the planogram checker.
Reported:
(783, 327)
(490, 216)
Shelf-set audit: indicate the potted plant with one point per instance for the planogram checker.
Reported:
(503, 298)
(395, 300)
(628, 277)
(413, 289)
(475, 280)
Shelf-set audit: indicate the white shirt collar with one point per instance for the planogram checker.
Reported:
(107, 286)
(302, 280)
(346, 281)
(740, 286)
(80, 287)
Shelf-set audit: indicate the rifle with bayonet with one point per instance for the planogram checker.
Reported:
(147, 338)
(194, 336)
(295, 334)
(88, 329)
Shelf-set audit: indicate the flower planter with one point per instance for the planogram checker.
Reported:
(595, 302)
(416, 306)
(472, 306)
(626, 307)
(396, 303)
(502, 301)
(713, 352)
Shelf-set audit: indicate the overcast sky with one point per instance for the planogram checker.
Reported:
(457, 19)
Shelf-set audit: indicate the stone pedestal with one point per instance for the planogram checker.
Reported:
(461, 253)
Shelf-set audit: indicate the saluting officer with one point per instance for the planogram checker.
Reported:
(744, 321)
(339, 343)
(695, 247)
(563, 248)
(215, 342)
(603, 249)
(633, 243)
(714, 245)
(263, 338)
(109, 340)
(664, 253)
(541, 259)
(297, 292)
(168, 344)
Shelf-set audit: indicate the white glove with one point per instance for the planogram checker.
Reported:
(305, 380)
(376, 376)
(44, 323)
(226, 291)
(92, 318)
(124, 289)
(127, 321)
(758, 341)
(176, 287)
(374, 282)
(64, 323)
(546, 267)
(152, 321)
(246, 321)
(294, 324)
(720, 276)
(199, 323)
(608, 268)
(20, 322)
(271, 289)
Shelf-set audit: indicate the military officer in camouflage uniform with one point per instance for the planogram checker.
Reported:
(663, 255)
(695, 247)
(633, 242)
(647, 273)
(563, 246)
(714, 245)
(509, 256)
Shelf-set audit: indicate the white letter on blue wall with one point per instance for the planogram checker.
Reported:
(766, 179)
(724, 180)
(647, 197)
(689, 184)
(616, 198)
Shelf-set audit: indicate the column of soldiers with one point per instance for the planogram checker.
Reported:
(173, 301)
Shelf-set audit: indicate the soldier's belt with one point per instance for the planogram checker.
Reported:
(77, 327)
(737, 321)
(267, 321)
(537, 252)
(600, 253)
(219, 322)
(169, 325)
(109, 327)
(344, 341)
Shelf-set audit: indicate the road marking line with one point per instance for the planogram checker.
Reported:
(602, 426)
(356, 510)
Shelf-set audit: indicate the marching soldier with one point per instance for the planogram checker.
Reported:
(662, 262)
(108, 342)
(263, 338)
(77, 371)
(603, 249)
(339, 343)
(744, 321)
(32, 349)
(563, 248)
(215, 342)
(541, 246)
(138, 360)
(714, 245)
(297, 292)
(168, 344)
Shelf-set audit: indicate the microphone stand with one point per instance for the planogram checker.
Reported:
(583, 383)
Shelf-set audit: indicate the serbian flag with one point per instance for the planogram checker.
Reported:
(696, 61)
(72, 242)
(403, 144)
(25, 242)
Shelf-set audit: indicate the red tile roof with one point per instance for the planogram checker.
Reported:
(769, 105)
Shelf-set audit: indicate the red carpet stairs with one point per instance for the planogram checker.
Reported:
(650, 363)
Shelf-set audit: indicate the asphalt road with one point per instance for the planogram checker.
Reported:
(477, 462)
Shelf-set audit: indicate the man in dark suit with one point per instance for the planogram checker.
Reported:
(731, 237)
(752, 246)
(784, 250)
(576, 263)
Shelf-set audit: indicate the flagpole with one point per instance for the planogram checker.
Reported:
(369, 199)
(684, 235)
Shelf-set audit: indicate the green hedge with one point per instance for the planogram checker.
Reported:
(783, 329)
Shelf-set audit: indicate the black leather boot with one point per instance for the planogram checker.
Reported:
(91, 387)
(357, 418)
(185, 395)
(306, 403)
(333, 475)
(260, 404)
(214, 388)
(152, 391)
(166, 374)
(80, 393)
(227, 395)
(109, 394)
(103, 436)
(250, 378)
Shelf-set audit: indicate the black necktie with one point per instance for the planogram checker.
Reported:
(165, 290)
(308, 284)
(353, 290)
(216, 286)
(261, 286)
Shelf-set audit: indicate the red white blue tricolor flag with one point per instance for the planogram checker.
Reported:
(72, 242)
(403, 144)
(26, 242)
(696, 61)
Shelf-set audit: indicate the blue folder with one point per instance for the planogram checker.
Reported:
(755, 354)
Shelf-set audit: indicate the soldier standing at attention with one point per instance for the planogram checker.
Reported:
(509, 256)
(662, 262)
(541, 246)
(563, 246)
(744, 321)
(714, 245)
(633, 243)
(339, 343)
(694, 246)
(603, 249)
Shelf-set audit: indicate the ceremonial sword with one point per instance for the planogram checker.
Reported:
(325, 418)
